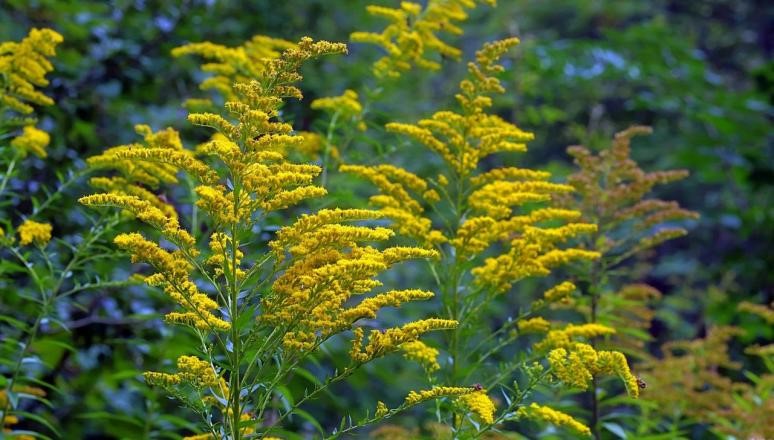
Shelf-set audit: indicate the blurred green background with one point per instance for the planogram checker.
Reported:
(699, 72)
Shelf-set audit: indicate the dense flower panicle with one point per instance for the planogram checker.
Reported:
(381, 343)
(421, 353)
(32, 140)
(121, 186)
(560, 292)
(231, 65)
(558, 418)
(579, 363)
(411, 36)
(480, 404)
(141, 172)
(533, 325)
(311, 295)
(173, 275)
(396, 202)
(346, 107)
(191, 370)
(493, 205)
(692, 378)
(611, 190)
(158, 217)
(563, 338)
(415, 397)
(34, 232)
(23, 68)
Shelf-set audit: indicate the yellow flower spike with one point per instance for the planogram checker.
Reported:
(309, 222)
(25, 65)
(381, 343)
(562, 338)
(416, 397)
(348, 104)
(119, 185)
(32, 140)
(381, 409)
(577, 363)
(421, 353)
(34, 232)
(411, 35)
(533, 325)
(480, 404)
(558, 418)
(394, 298)
(177, 158)
(559, 292)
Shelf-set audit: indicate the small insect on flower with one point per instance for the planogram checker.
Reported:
(641, 384)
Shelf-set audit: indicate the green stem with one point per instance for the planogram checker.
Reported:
(8, 171)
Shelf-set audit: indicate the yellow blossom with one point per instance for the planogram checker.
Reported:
(533, 325)
(558, 418)
(24, 66)
(411, 35)
(422, 353)
(480, 404)
(415, 397)
(32, 140)
(34, 232)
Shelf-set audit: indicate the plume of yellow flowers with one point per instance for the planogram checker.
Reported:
(34, 232)
(232, 65)
(23, 68)
(32, 140)
(322, 260)
(480, 404)
(485, 202)
(411, 37)
(558, 418)
(416, 397)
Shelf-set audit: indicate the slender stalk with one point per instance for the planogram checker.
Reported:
(8, 172)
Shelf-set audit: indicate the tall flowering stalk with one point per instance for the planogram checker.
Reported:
(492, 228)
(612, 191)
(259, 304)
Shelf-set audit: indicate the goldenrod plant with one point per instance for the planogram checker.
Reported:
(492, 228)
(696, 383)
(258, 306)
(612, 191)
(41, 268)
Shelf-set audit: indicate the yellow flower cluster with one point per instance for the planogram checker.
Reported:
(558, 418)
(412, 32)
(145, 172)
(191, 370)
(232, 65)
(415, 397)
(383, 342)
(533, 325)
(421, 353)
(396, 201)
(347, 107)
(462, 140)
(32, 140)
(580, 363)
(480, 404)
(34, 232)
(611, 190)
(560, 292)
(563, 338)
(173, 275)
(328, 265)
(23, 67)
